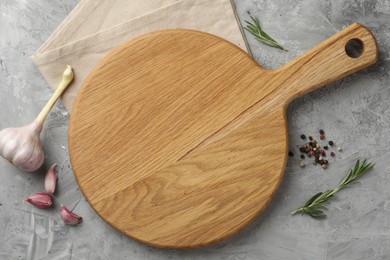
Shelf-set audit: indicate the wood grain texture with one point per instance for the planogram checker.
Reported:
(178, 138)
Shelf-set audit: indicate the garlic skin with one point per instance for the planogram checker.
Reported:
(51, 179)
(69, 217)
(22, 146)
(40, 200)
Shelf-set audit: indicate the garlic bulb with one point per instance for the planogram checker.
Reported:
(22, 146)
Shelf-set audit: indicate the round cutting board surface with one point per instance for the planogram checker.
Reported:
(140, 140)
(178, 138)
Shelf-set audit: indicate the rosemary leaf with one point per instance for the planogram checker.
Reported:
(314, 208)
(255, 29)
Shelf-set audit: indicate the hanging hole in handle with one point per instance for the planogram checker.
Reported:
(354, 48)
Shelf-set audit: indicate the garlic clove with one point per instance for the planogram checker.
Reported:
(40, 200)
(51, 179)
(69, 217)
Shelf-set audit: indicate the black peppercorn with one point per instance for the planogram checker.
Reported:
(322, 132)
(326, 147)
(310, 138)
(302, 150)
(330, 143)
(302, 156)
(303, 136)
(291, 154)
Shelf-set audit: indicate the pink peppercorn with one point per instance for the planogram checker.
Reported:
(332, 154)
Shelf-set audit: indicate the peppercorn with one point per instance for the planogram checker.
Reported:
(301, 164)
(326, 161)
(330, 143)
(339, 149)
(303, 136)
(291, 154)
(313, 153)
(309, 155)
(323, 152)
(324, 166)
(310, 138)
(302, 150)
(317, 160)
(326, 147)
(322, 132)
(332, 154)
(322, 137)
(302, 156)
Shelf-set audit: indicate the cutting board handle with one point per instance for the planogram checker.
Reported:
(348, 51)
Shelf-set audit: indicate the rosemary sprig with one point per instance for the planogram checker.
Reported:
(314, 208)
(255, 29)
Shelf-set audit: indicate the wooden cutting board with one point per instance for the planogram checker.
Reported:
(178, 138)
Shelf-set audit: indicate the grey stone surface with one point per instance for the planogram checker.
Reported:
(355, 113)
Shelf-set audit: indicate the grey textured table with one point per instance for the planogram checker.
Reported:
(355, 112)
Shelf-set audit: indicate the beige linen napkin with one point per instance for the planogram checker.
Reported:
(95, 27)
